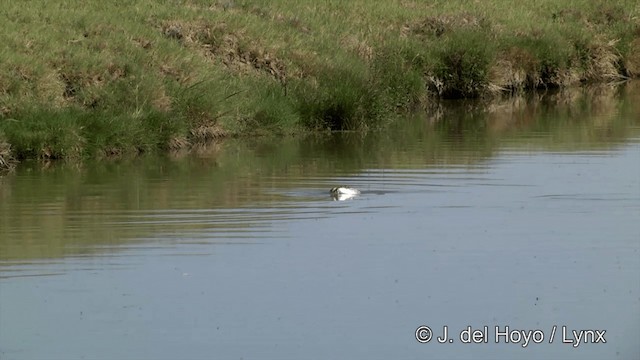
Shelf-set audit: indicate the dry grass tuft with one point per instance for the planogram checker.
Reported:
(632, 63)
(604, 62)
(7, 162)
(207, 132)
(50, 90)
(513, 69)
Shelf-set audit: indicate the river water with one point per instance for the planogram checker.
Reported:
(522, 217)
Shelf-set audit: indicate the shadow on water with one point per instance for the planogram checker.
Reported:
(235, 191)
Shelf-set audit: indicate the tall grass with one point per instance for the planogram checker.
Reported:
(6, 160)
(106, 78)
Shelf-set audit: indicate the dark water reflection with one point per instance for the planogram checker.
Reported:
(523, 213)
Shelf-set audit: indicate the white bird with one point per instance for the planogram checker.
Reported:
(341, 193)
(344, 190)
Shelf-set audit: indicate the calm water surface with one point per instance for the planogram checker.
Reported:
(524, 215)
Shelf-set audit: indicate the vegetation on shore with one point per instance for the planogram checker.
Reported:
(107, 78)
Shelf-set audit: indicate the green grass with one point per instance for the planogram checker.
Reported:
(104, 78)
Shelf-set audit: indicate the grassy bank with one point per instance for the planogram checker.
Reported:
(107, 78)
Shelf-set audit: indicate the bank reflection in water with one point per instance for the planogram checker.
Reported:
(525, 206)
(48, 212)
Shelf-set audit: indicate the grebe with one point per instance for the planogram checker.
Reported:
(342, 193)
(344, 190)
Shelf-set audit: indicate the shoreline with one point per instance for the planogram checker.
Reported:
(115, 80)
